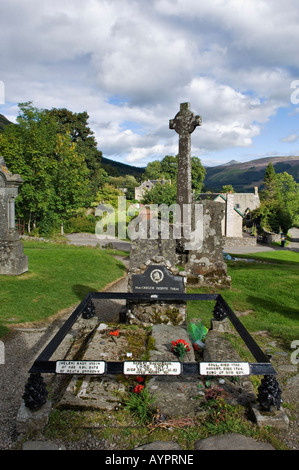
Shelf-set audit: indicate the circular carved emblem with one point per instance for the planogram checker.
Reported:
(157, 275)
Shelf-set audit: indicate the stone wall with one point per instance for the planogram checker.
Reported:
(241, 241)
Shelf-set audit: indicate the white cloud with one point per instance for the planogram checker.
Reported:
(127, 61)
(290, 138)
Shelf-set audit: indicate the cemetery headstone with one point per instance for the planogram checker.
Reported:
(152, 270)
(206, 265)
(12, 258)
(201, 256)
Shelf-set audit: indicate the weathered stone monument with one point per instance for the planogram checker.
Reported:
(202, 255)
(152, 270)
(12, 258)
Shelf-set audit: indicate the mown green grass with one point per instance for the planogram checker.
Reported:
(269, 286)
(59, 276)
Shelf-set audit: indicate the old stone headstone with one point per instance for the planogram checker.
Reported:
(201, 256)
(12, 259)
(205, 265)
(152, 270)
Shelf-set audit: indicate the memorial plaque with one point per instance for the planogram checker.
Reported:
(152, 368)
(157, 280)
(224, 368)
(80, 367)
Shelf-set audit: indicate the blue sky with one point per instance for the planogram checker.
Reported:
(130, 63)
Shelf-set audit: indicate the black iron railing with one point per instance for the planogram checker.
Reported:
(269, 393)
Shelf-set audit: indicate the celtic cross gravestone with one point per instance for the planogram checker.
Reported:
(184, 124)
(202, 259)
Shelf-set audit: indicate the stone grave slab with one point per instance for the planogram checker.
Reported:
(174, 395)
(104, 391)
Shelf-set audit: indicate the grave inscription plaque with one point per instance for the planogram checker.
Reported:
(157, 280)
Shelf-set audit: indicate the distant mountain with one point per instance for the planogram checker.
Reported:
(232, 162)
(244, 176)
(121, 169)
(3, 122)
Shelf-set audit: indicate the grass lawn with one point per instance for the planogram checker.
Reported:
(267, 286)
(59, 276)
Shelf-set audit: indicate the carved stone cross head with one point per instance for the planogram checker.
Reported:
(185, 121)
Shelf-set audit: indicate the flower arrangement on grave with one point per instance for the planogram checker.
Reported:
(180, 347)
(114, 333)
(138, 388)
(139, 379)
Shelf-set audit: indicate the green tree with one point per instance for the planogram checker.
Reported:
(279, 206)
(153, 171)
(108, 194)
(269, 181)
(54, 174)
(70, 181)
(128, 183)
(167, 169)
(288, 191)
(161, 194)
(198, 173)
(76, 126)
(227, 188)
(27, 148)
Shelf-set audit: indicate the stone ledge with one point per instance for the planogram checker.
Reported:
(31, 421)
(275, 418)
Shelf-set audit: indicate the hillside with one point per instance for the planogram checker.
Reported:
(244, 176)
(3, 122)
(121, 169)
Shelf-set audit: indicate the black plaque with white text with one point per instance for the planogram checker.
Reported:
(157, 280)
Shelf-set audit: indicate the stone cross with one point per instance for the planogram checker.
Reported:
(184, 124)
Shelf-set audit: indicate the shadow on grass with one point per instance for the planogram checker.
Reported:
(271, 306)
(264, 260)
(3, 330)
(82, 291)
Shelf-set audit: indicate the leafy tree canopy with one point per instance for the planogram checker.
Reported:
(167, 169)
(279, 208)
(55, 174)
(76, 126)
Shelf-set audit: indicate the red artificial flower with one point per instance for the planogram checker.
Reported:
(180, 341)
(139, 379)
(138, 388)
(180, 347)
(114, 333)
